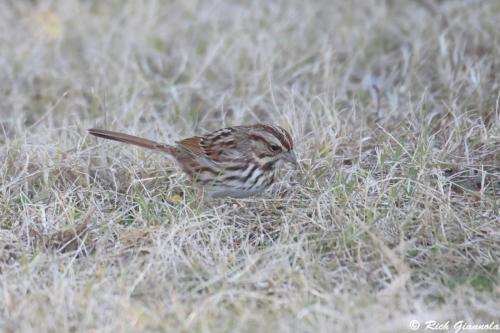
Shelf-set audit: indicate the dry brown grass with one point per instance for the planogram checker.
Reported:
(394, 106)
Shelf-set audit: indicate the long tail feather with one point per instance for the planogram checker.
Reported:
(130, 139)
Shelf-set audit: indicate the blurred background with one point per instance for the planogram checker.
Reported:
(192, 65)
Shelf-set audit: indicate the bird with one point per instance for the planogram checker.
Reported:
(236, 162)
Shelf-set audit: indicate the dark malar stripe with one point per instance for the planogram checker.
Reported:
(268, 166)
(264, 155)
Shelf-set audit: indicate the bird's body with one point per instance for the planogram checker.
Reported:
(237, 161)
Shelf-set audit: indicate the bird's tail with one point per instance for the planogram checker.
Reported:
(130, 139)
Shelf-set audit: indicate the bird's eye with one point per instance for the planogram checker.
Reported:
(275, 148)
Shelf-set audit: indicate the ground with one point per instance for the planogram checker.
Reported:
(392, 216)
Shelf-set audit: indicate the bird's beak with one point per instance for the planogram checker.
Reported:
(290, 156)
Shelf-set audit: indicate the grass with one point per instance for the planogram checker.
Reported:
(392, 216)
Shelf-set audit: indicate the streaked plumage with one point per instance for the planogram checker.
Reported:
(237, 161)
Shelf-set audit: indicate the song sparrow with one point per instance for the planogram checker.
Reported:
(237, 161)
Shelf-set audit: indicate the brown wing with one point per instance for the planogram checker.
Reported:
(195, 159)
(193, 145)
(218, 146)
